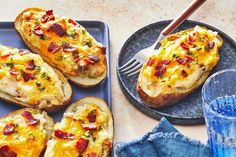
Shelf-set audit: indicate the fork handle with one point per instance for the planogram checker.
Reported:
(184, 15)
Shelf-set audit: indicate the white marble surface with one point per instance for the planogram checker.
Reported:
(124, 17)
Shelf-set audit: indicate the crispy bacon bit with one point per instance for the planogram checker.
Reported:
(3, 56)
(184, 73)
(29, 117)
(44, 18)
(4, 148)
(211, 44)
(81, 145)
(92, 59)
(150, 62)
(23, 51)
(189, 58)
(92, 116)
(9, 129)
(57, 28)
(191, 40)
(49, 12)
(37, 30)
(64, 135)
(27, 76)
(68, 48)
(181, 61)
(30, 65)
(184, 46)
(76, 58)
(6, 152)
(53, 47)
(13, 72)
(160, 69)
(166, 62)
(73, 22)
(92, 154)
(103, 49)
(90, 126)
(185, 60)
(48, 16)
(89, 61)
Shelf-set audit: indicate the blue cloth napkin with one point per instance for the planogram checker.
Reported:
(163, 141)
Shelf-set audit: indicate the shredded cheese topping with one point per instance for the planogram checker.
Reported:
(27, 78)
(180, 61)
(65, 43)
(25, 140)
(72, 123)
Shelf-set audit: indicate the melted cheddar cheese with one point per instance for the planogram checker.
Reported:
(26, 140)
(28, 79)
(98, 139)
(64, 43)
(180, 61)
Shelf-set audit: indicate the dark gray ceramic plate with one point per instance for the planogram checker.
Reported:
(189, 110)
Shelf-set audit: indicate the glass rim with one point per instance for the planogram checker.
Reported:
(203, 95)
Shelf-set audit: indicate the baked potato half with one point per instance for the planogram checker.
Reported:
(64, 44)
(86, 129)
(26, 80)
(24, 133)
(181, 64)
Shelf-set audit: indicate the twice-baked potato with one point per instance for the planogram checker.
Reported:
(181, 64)
(26, 80)
(24, 133)
(86, 129)
(64, 44)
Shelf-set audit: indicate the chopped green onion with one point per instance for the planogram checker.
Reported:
(83, 31)
(43, 75)
(11, 65)
(88, 43)
(38, 68)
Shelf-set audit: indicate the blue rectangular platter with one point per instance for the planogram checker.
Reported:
(98, 30)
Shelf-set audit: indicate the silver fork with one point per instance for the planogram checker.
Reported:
(133, 66)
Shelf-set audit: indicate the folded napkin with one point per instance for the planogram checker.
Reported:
(163, 141)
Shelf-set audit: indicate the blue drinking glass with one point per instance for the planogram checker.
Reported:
(219, 106)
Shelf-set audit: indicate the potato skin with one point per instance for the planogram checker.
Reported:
(167, 99)
(48, 126)
(52, 108)
(76, 80)
(160, 100)
(103, 105)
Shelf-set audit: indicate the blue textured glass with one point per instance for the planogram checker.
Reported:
(219, 105)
